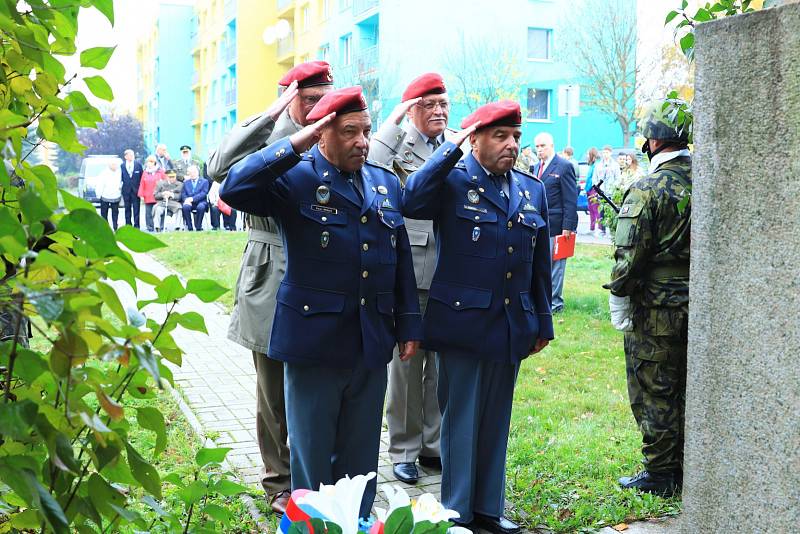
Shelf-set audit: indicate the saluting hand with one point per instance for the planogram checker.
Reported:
(407, 349)
(276, 108)
(458, 137)
(400, 110)
(308, 136)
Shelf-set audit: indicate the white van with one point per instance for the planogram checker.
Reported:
(91, 168)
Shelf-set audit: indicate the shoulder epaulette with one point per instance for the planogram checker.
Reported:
(526, 173)
(374, 163)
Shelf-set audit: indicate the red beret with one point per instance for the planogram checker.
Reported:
(309, 74)
(341, 101)
(429, 83)
(501, 113)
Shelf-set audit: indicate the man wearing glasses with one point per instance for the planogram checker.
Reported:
(412, 410)
(264, 264)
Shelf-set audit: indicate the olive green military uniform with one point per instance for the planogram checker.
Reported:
(181, 167)
(262, 269)
(652, 268)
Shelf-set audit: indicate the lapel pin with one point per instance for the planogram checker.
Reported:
(382, 190)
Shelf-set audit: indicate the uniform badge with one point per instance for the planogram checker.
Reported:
(408, 156)
(528, 207)
(527, 194)
(481, 190)
(387, 204)
(625, 210)
(324, 174)
(323, 194)
(476, 233)
(474, 178)
(324, 239)
(382, 190)
(473, 196)
(393, 240)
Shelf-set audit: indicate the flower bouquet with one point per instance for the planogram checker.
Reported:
(335, 510)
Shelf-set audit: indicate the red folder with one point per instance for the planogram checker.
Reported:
(564, 247)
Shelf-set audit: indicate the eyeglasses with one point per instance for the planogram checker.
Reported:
(430, 105)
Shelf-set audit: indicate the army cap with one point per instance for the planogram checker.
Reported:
(347, 100)
(657, 124)
(185, 147)
(308, 74)
(500, 113)
(429, 83)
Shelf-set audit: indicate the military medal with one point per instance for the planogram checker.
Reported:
(324, 239)
(473, 196)
(476, 233)
(382, 190)
(323, 194)
(387, 204)
(408, 156)
(527, 194)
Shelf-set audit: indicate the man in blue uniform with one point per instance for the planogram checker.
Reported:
(493, 272)
(348, 295)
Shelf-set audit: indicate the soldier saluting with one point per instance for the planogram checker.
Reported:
(650, 300)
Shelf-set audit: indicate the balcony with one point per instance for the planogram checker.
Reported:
(366, 62)
(286, 47)
(362, 6)
(195, 78)
(229, 55)
(230, 97)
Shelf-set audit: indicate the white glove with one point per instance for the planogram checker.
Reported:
(621, 313)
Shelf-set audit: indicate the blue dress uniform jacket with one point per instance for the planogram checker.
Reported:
(490, 296)
(349, 292)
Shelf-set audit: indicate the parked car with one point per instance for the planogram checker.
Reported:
(91, 168)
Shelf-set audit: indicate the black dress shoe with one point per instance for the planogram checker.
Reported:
(406, 472)
(496, 525)
(434, 462)
(664, 484)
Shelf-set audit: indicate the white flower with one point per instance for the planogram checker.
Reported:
(458, 530)
(340, 503)
(427, 508)
(396, 497)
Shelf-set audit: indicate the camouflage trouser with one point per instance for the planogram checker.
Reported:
(8, 326)
(655, 358)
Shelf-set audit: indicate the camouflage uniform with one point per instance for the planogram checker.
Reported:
(652, 268)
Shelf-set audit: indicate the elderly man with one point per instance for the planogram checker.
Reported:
(163, 161)
(412, 409)
(167, 195)
(263, 266)
(131, 177)
(558, 176)
(489, 304)
(182, 165)
(193, 197)
(348, 295)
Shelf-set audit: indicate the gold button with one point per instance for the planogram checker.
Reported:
(507, 301)
(458, 303)
(510, 250)
(364, 274)
(365, 247)
(324, 219)
(306, 308)
(363, 301)
(510, 224)
(508, 275)
(363, 219)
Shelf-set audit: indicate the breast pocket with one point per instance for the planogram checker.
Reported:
(391, 221)
(302, 311)
(531, 223)
(476, 231)
(324, 233)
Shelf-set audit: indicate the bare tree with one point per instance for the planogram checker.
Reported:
(598, 39)
(484, 70)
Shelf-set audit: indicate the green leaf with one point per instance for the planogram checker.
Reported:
(62, 451)
(82, 112)
(702, 15)
(29, 365)
(72, 203)
(687, 43)
(670, 17)
(48, 305)
(426, 527)
(49, 508)
(64, 133)
(152, 419)
(192, 493)
(143, 472)
(93, 229)
(99, 87)
(191, 321)
(97, 58)
(138, 241)
(17, 419)
(26, 520)
(169, 290)
(111, 299)
(218, 513)
(33, 209)
(205, 290)
(106, 7)
(207, 456)
(229, 488)
(148, 361)
(60, 263)
(401, 521)
(131, 516)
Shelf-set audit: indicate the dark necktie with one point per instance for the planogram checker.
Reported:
(351, 179)
(497, 180)
(434, 143)
(541, 169)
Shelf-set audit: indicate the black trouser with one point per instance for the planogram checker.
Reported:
(131, 206)
(104, 206)
(228, 221)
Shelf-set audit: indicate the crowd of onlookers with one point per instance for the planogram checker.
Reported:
(176, 193)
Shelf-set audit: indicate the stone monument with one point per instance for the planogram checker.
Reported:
(742, 471)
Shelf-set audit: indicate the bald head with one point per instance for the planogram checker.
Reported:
(544, 146)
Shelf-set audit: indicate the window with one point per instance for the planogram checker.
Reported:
(539, 104)
(326, 9)
(539, 43)
(306, 18)
(346, 49)
(325, 53)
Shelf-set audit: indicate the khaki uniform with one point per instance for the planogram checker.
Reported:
(652, 268)
(262, 269)
(182, 167)
(412, 409)
(171, 206)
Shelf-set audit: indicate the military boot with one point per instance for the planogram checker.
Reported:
(663, 484)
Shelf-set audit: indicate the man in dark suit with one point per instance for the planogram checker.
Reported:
(131, 176)
(193, 196)
(558, 176)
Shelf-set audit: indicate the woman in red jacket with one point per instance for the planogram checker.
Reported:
(150, 177)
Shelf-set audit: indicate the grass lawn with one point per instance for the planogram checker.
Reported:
(572, 432)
